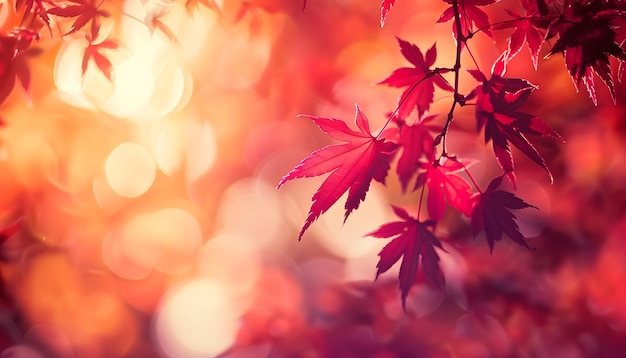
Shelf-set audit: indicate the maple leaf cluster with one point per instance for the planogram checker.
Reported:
(588, 34)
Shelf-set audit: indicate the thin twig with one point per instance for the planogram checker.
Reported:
(458, 99)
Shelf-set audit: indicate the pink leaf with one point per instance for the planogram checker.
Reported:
(352, 165)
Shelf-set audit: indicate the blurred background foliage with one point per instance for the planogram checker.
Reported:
(151, 227)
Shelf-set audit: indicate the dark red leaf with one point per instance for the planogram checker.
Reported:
(385, 6)
(29, 7)
(14, 51)
(352, 165)
(587, 37)
(531, 29)
(491, 213)
(471, 17)
(419, 80)
(411, 240)
(498, 100)
(416, 141)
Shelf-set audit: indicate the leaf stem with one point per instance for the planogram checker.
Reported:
(469, 175)
(403, 99)
(430, 164)
(458, 98)
(547, 17)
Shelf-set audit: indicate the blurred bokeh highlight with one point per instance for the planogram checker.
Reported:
(151, 226)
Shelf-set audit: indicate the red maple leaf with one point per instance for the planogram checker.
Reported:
(84, 11)
(531, 30)
(14, 51)
(444, 185)
(30, 7)
(498, 100)
(471, 16)
(411, 239)
(385, 6)
(491, 213)
(420, 79)
(93, 52)
(352, 165)
(587, 37)
(416, 141)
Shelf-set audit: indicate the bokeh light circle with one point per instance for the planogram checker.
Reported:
(130, 170)
(166, 240)
(196, 319)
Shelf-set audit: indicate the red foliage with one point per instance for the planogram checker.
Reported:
(529, 29)
(587, 37)
(92, 52)
(445, 186)
(84, 12)
(13, 65)
(490, 213)
(412, 241)
(498, 100)
(589, 33)
(353, 165)
(416, 141)
(419, 80)
(471, 17)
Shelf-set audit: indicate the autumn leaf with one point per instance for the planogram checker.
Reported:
(587, 37)
(33, 7)
(419, 80)
(84, 11)
(445, 186)
(93, 53)
(530, 30)
(498, 100)
(385, 6)
(411, 240)
(491, 214)
(14, 52)
(471, 17)
(416, 141)
(352, 165)
(153, 21)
